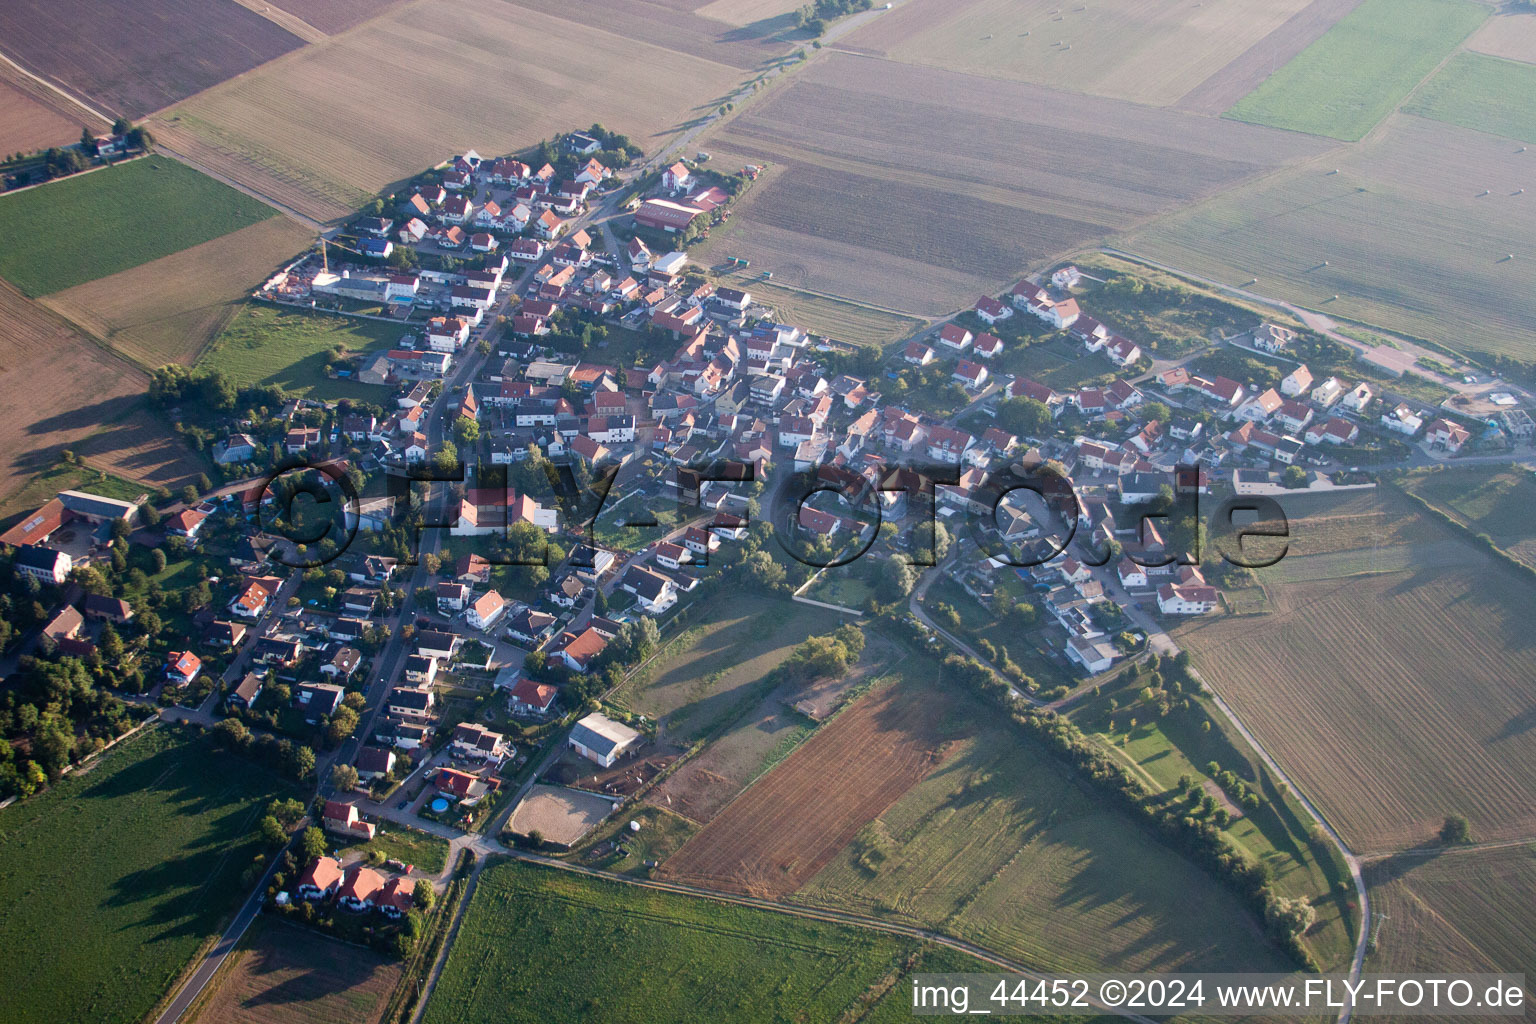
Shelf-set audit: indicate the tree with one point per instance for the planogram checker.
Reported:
(157, 560)
(121, 126)
(272, 831)
(303, 762)
(1024, 416)
(931, 536)
(313, 843)
(344, 777)
(447, 457)
(896, 579)
(1155, 411)
(1456, 831)
(423, 895)
(466, 430)
(189, 494)
(1294, 477)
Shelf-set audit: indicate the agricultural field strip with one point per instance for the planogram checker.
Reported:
(1114, 50)
(1405, 226)
(348, 145)
(135, 60)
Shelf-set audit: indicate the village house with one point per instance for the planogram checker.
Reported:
(472, 741)
(531, 698)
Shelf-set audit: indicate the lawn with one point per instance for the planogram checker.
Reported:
(92, 225)
(543, 945)
(1345, 83)
(264, 344)
(114, 878)
(1480, 92)
(428, 853)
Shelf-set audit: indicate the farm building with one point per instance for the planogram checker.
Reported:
(665, 215)
(600, 739)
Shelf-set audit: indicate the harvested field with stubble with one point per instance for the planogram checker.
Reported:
(1394, 698)
(1456, 910)
(1405, 227)
(287, 974)
(168, 310)
(1508, 34)
(715, 31)
(1106, 49)
(63, 390)
(774, 837)
(323, 129)
(136, 56)
(858, 203)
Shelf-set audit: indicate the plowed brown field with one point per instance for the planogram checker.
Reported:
(59, 390)
(135, 56)
(915, 188)
(774, 837)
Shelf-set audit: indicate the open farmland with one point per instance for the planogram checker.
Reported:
(1395, 697)
(333, 16)
(35, 117)
(1407, 234)
(1107, 49)
(91, 225)
(1001, 847)
(266, 344)
(836, 318)
(323, 129)
(1459, 910)
(137, 56)
(774, 837)
(710, 673)
(547, 946)
(1495, 500)
(1510, 34)
(749, 45)
(63, 390)
(1475, 91)
(1355, 75)
(1249, 70)
(167, 310)
(916, 189)
(286, 974)
(115, 876)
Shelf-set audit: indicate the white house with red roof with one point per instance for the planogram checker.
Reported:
(1186, 599)
(971, 375)
(321, 878)
(486, 610)
(955, 338)
(182, 666)
(1442, 433)
(991, 310)
(987, 346)
(342, 817)
(917, 354)
(252, 601)
(531, 698)
(677, 177)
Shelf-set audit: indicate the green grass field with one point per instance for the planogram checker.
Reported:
(267, 345)
(1359, 71)
(543, 945)
(428, 853)
(65, 477)
(1480, 92)
(1001, 847)
(1496, 500)
(113, 878)
(76, 230)
(1161, 750)
(713, 671)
